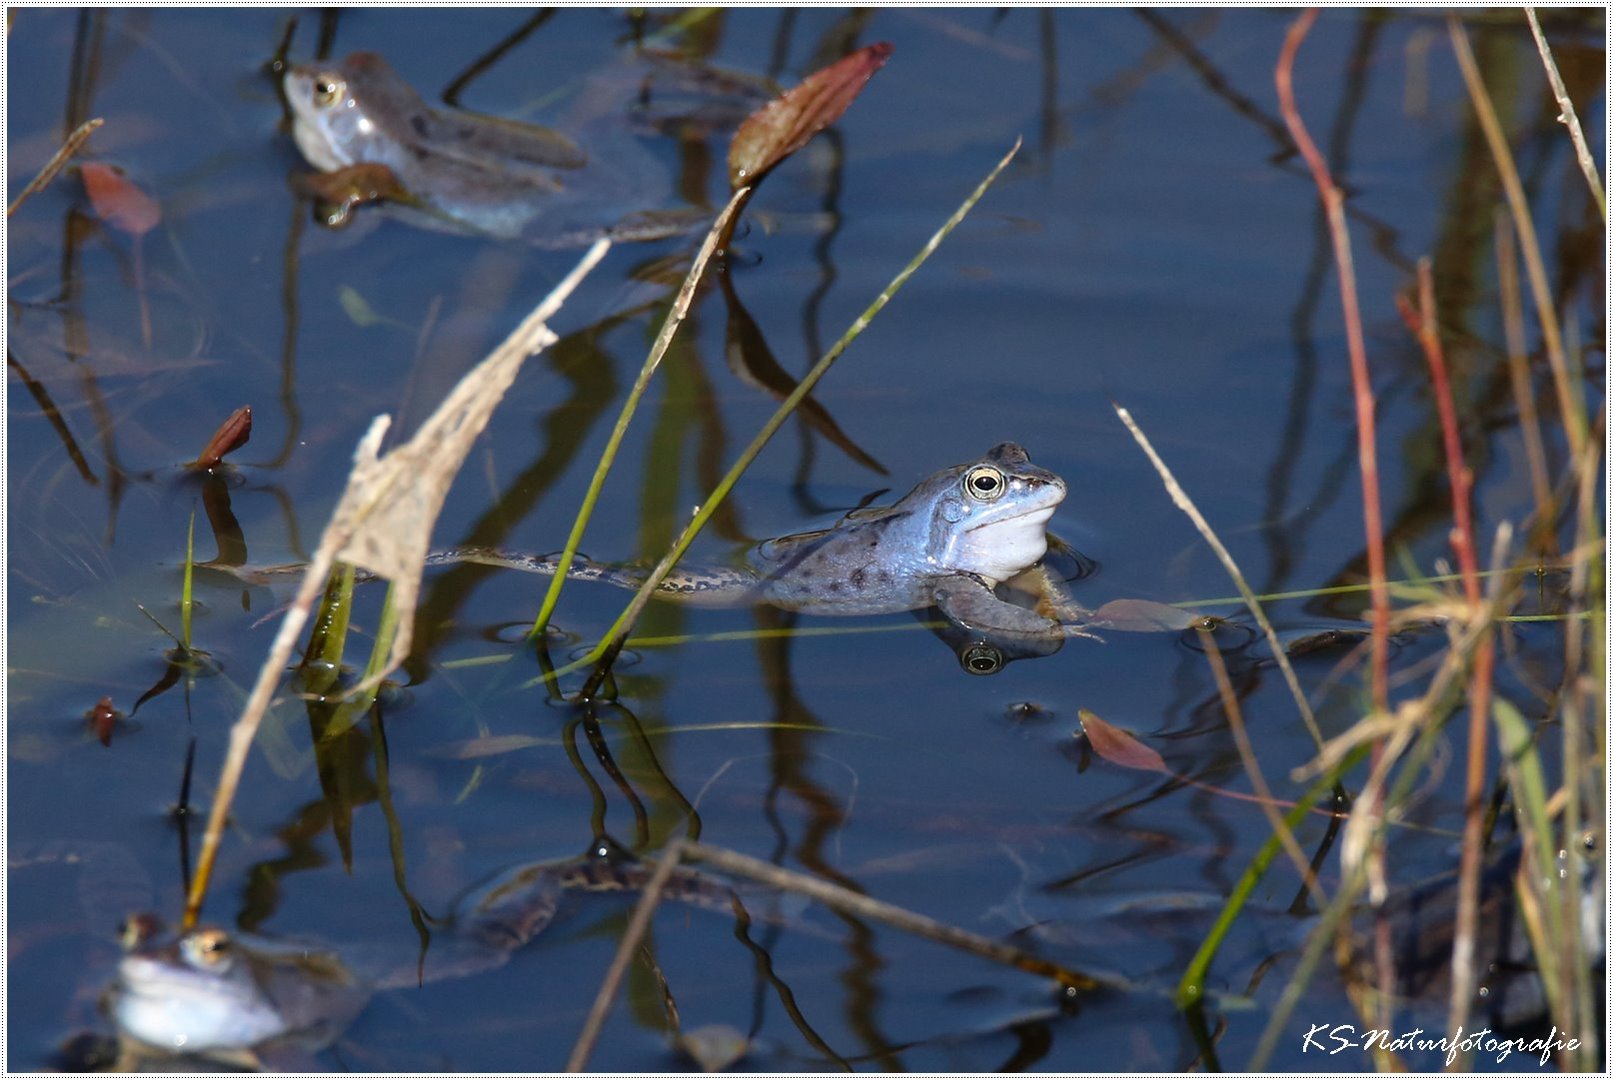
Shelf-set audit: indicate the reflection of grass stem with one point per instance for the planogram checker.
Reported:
(186, 598)
(1568, 403)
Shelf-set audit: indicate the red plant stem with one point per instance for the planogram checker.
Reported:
(1366, 446)
(1463, 542)
(1360, 377)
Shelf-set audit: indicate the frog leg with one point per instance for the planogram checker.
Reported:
(970, 602)
(1053, 597)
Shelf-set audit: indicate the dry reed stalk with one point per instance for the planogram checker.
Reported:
(637, 926)
(1582, 152)
(383, 523)
(1534, 447)
(1529, 242)
(57, 160)
(1251, 765)
(1186, 505)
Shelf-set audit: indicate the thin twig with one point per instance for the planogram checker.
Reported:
(637, 926)
(54, 165)
(1587, 164)
(1251, 765)
(1186, 506)
(855, 904)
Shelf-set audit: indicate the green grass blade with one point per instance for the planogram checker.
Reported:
(1190, 988)
(612, 641)
(663, 341)
(186, 600)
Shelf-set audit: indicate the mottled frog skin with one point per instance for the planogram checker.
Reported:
(469, 172)
(948, 543)
(215, 993)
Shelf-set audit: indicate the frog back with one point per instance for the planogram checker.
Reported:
(873, 562)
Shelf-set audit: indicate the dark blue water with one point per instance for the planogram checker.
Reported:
(1155, 244)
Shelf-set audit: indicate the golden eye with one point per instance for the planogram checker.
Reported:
(328, 89)
(138, 930)
(207, 948)
(985, 483)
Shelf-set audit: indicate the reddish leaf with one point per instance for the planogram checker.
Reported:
(782, 126)
(1119, 747)
(1141, 616)
(118, 201)
(102, 719)
(232, 434)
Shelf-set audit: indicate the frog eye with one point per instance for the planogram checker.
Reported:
(981, 659)
(985, 482)
(207, 948)
(328, 89)
(138, 930)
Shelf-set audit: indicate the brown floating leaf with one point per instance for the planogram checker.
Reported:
(1119, 747)
(117, 199)
(232, 434)
(782, 126)
(102, 719)
(1141, 616)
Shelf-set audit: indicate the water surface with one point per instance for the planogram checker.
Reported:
(1156, 244)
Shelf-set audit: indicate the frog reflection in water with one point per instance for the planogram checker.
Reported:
(213, 993)
(466, 172)
(947, 544)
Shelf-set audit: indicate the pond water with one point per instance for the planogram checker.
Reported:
(1156, 244)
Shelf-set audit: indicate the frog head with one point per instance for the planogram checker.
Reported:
(346, 114)
(213, 993)
(989, 517)
(194, 993)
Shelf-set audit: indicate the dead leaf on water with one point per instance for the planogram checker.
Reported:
(121, 203)
(782, 126)
(118, 200)
(232, 434)
(103, 718)
(1141, 616)
(1119, 747)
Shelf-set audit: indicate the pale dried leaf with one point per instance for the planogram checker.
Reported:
(1141, 616)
